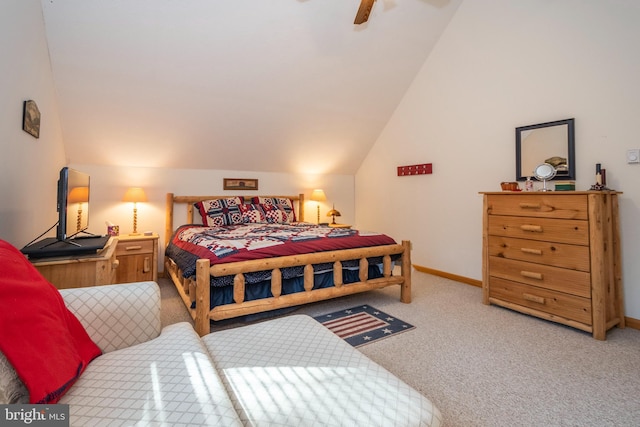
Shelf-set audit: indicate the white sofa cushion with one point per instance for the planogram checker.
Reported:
(117, 316)
(169, 381)
(294, 371)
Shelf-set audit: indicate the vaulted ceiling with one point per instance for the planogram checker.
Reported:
(254, 85)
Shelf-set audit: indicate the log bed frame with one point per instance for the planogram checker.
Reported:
(199, 289)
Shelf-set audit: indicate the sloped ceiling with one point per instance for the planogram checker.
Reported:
(258, 85)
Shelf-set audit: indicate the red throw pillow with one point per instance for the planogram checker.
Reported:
(44, 342)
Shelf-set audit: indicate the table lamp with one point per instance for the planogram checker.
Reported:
(318, 196)
(79, 195)
(333, 213)
(135, 195)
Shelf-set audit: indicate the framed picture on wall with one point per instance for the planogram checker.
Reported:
(31, 118)
(240, 184)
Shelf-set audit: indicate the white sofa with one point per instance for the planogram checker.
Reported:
(284, 372)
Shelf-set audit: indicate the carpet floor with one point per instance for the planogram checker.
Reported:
(488, 366)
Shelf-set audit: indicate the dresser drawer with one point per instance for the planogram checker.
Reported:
(541, 206)
(559, 279)
(562, 255)
(575, 232)
(556, 303)
(134, 247)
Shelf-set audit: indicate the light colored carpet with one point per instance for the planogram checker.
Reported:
(488, 366)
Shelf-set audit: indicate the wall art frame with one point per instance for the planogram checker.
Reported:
(31, 118)
(240, 184)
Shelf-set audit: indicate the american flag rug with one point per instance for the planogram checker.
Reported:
(363, 325)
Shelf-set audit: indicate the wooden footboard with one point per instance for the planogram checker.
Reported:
(241, 307)
(199, 290)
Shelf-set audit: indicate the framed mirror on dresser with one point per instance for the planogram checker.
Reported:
(551, 142)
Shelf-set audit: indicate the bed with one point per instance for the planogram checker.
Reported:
(215, 285)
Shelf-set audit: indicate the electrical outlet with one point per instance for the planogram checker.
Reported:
(633, 155)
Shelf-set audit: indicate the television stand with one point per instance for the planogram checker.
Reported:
(77, 271)
(52, 247)
(48, 242)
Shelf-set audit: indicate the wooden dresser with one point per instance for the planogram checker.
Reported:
(555, 255)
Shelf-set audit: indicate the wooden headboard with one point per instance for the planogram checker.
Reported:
(190, 200)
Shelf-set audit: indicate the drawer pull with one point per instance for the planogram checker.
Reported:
(530, 205)
(115, 264)
(534, 228)
(146, 265)
(533, 298)
(531, 251)
(531, 275)
(132, 248)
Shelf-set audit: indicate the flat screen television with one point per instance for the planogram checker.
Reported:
(73, 203)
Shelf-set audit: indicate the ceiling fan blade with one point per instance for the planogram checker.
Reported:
(363, 11)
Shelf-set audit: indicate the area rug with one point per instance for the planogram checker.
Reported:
(363, 325)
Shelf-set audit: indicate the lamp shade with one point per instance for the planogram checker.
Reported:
(79, 195)
(134, 194)
(318, 196)
(333, 212)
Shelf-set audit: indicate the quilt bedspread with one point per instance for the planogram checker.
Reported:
(258, 241)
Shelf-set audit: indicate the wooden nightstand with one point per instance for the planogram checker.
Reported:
(339, 226)
(137, 257)
(81, 270)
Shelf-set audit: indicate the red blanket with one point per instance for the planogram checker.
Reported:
(46, 344)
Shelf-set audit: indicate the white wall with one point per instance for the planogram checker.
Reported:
(28, 166)
(499, 65)
(108, 185)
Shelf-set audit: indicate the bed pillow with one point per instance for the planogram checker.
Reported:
(277, 214)
(222, 211)
(252, 213)
(44, 342)
(282, 203)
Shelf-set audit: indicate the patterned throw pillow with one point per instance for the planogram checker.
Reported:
(252, 214)
(282, 203)
(276, 214)
(219, 212)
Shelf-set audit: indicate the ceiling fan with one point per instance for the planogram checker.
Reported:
(363, 11)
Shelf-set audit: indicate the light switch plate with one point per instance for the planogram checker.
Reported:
(633, 155)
